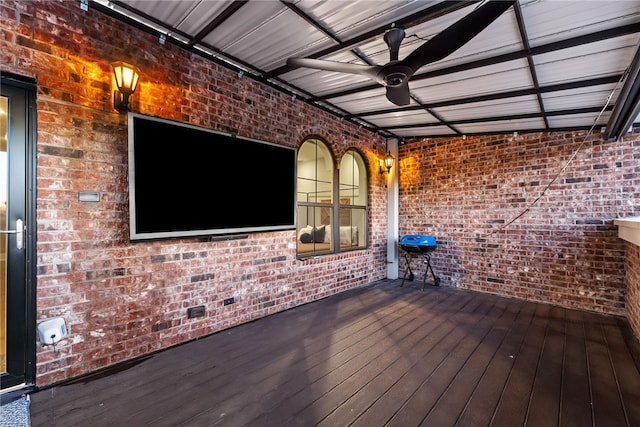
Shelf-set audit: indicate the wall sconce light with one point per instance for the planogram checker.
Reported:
(126, 79)
(386, 164)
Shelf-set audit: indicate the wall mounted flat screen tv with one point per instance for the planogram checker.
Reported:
(189, 181)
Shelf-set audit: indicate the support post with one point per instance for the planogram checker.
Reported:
(392, 212)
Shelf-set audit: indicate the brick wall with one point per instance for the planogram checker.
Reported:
(633, 286)
(123, 300)
(563, 250)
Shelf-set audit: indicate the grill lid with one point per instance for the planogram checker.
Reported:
(417, 243)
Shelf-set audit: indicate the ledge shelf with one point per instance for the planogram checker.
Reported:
(629, 229)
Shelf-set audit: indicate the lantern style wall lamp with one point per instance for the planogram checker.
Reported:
(127, 77)
(386, 164)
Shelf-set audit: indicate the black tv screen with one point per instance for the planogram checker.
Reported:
(189, 181)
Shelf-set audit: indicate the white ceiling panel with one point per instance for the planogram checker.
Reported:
(418, 34)
(345, 56)
(586, 61)
(402, 118)
(371, 100)
(324, 82)
(187, 16)
(505, 125)
(570, 121)
(376, 50)
(433, 131)
(480, 81)
(578, 98)
(552, 21)
(256, 35)
(501, 37)
(499, 108)
(538, 65)
(349, 19)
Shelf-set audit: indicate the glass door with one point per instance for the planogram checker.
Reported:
(17, 304)
(4, 108)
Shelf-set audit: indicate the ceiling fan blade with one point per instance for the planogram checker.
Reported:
(370, 71)
(399, 95)
(457, 35)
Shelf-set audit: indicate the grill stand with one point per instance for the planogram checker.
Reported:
(408, 256)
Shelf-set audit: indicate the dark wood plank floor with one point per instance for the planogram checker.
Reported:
(376, 356)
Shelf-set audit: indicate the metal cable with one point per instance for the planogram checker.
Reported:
(561, 171)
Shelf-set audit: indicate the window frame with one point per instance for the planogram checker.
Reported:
(319, 211)
(359, 228)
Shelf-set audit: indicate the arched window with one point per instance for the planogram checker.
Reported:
(353, 201)
(331, 212)
(315, 197)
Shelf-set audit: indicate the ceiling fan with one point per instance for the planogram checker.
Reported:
(395, 74)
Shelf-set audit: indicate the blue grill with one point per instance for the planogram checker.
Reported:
(415, 245)
(418, 244)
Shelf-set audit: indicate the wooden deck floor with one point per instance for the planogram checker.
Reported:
(375, 356)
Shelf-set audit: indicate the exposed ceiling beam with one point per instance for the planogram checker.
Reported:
(532, 68)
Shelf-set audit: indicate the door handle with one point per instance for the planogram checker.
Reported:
(19, 232)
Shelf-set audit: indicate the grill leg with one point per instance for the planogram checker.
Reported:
(436, 280)
(407, 258)
(426, 272)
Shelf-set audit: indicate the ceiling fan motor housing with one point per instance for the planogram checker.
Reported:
(394, 73)
(393, 38)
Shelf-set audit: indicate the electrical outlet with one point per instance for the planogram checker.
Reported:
(197, 311)
(228, 301)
